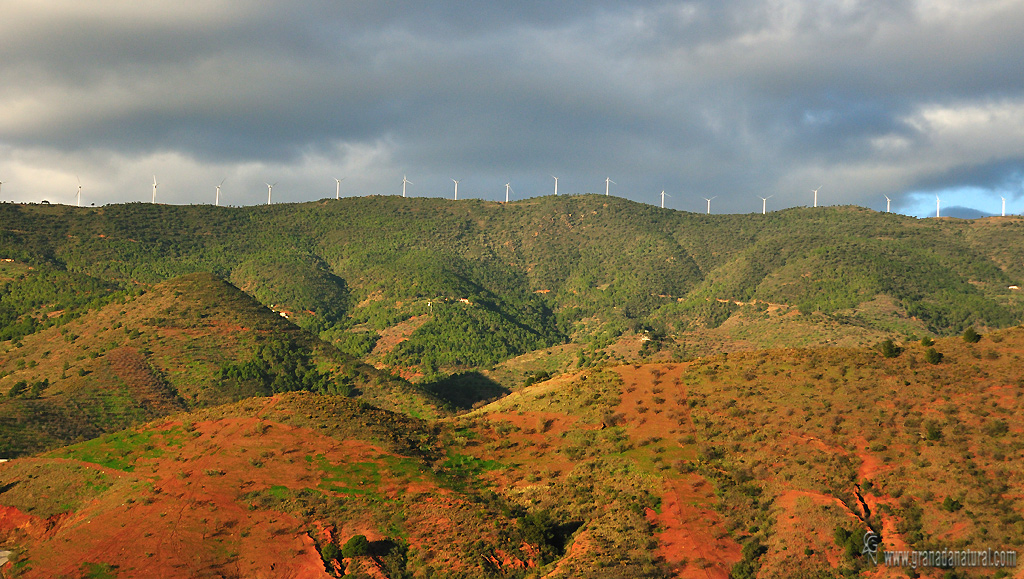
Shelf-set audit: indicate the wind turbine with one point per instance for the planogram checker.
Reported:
(508, 187)
(607, 181)
(888, 202)
(456, 188)
(556, 185)
(270, 189)
(1, 183)
(937, 206)
(404, 183)
(79, 202)
(1004, 206)
(709, 202)
(816, 195)
(764, 204)
(663, 195)
(337, 192)
(154, 189)
(216, 200)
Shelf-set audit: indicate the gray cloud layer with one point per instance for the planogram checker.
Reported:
(739, 99)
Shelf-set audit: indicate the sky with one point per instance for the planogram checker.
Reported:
(732, 100)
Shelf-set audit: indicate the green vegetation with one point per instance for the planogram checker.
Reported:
(529, 274)
(479, 333)
(45, 489)
(99, 571)
(357, 546)
(117, 451)
(747, 567)
(280, 366)
(889, 349)
(44, 296)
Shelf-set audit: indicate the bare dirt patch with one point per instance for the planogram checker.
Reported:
(395, 335)
(693, 535)
(188, 516)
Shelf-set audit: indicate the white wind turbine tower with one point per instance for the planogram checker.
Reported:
(154, 189)
(709, 202)
(888, 203)
(764, 204)
(456, 188)
(663, 195)
(816, 195)
(1, 183)
(270, 189)
(937, 206)
(337, 192)
(404, 183)
(79, 202)
(1004, 206)
(508, 188)
(556, 185)
(607, 181)
(216, 199)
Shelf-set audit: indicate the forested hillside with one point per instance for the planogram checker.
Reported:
(478, 282)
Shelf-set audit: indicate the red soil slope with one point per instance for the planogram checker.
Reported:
(692, 532)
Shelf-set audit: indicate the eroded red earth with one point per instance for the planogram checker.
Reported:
(692, 536)
(188, 517)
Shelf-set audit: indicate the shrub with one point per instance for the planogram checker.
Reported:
(541, 530)
(355, 547)
(932, 430)
(926, 341)
(971, 336)
(18, 388)
(851, 542)
(952, 505)
(889, 349)
(932, 356)
(749, 565)
(996, 428)
(329, 553)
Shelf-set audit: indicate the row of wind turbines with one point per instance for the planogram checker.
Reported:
(508, 192)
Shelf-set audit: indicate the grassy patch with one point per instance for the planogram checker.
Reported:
(47, 489)
(99, 571)
(352, 478)
(117, 451)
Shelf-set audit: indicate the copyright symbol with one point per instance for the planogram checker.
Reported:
(871, 542)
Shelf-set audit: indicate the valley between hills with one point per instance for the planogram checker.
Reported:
(560, 387)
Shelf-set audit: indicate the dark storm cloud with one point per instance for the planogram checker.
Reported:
(736, 99)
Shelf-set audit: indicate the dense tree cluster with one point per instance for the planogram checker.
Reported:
(283, 366)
